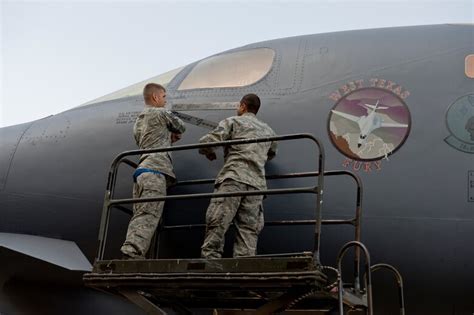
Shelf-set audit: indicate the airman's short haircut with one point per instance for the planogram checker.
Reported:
(151, 88)
(252, 101)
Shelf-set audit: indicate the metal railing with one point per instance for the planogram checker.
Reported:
(398, 278)
(368, 277)
(112, 178)
(110, 203)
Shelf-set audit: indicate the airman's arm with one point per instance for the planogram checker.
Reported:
(273, 150)
(175, 137)
(175, 125)
(221, 133)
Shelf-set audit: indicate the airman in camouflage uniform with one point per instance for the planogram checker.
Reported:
(243, 170)
(154, 128)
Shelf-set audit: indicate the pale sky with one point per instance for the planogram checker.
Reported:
(56, 55)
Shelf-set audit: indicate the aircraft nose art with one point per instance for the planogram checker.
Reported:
(367, 132)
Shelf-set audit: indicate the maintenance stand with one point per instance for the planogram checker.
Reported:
(263, 284)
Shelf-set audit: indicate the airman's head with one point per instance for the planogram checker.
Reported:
(250, 103)
(154, 95)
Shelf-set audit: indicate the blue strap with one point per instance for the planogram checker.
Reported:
(140, 171)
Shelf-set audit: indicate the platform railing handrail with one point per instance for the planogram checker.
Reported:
(398, 277)
(354, 221)
(121, 156)
(309, 189)
(112, 176)
(367, 275)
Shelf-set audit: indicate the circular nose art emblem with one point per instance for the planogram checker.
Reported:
(369, 124)
(460, 122)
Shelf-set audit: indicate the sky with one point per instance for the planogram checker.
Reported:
(55, 55)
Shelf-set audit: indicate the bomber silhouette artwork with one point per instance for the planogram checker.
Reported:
(369, 124)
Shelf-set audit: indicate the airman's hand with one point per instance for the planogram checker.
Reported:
(175, 137)
(211, 156)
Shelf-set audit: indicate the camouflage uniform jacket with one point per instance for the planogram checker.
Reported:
(152, 130)
(244, 163)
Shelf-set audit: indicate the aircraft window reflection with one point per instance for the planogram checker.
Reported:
(235, 69)
(137, 89)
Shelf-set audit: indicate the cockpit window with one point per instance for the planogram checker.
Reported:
(137, 89)
(234, 69)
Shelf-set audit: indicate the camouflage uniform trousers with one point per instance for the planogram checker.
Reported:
(245, 211)
(146, 216)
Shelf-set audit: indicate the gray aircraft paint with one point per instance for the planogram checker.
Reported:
(417, 215)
